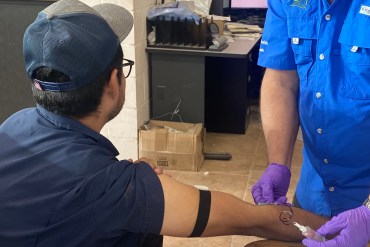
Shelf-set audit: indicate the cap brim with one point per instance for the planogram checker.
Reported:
(119, 19)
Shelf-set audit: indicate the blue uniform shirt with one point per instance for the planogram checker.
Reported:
(61, 185)
(329, 46)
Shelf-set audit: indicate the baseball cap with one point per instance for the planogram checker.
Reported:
(78, 40)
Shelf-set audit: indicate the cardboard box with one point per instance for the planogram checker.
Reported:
(172, 145)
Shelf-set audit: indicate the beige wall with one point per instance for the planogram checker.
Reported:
(122, 130)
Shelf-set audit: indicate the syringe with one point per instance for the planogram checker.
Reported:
(309, 233)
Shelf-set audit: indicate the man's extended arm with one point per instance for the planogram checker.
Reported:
(279, 113)
(229, 215)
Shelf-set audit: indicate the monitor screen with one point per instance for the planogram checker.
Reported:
(258, 4)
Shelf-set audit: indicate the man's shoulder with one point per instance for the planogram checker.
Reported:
(19, 117)
(21, 113)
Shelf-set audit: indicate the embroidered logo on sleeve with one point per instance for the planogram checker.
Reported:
(300, 4)
(263, 42)
(365, 10)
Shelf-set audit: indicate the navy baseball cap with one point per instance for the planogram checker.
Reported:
(78, 40)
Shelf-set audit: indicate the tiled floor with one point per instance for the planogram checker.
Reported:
(235, 176)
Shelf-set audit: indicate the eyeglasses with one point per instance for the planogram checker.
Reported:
(127, 67)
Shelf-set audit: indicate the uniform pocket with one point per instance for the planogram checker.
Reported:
(303, 41)
(355, 50)
(302, 49)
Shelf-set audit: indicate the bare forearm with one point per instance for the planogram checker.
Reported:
(231, 216)
(279, 112)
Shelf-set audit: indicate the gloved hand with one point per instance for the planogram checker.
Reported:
(272, 185)
(354, 228)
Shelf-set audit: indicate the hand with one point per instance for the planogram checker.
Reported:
(150, 162)
(353, 227)
(273, 185)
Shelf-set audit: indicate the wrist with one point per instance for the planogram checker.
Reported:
(280, 162)
(366, 211)
(279, 165)
(283, 169)
(367, 204)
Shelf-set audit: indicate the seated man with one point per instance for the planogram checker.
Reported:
(60, 181)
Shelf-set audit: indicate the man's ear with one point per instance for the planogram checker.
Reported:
(113, 85)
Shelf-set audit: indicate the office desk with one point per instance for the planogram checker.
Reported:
(202, 86)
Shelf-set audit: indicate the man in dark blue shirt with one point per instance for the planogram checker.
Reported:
(60, 181)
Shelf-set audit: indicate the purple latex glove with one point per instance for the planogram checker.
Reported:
(353, 226)
(272, 185)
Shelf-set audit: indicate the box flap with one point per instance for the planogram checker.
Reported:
(153, 140)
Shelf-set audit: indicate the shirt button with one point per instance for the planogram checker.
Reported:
(322, 56)
(326, 161)
(328, 17)
(320, 131)
(318, 95)
(331, 189)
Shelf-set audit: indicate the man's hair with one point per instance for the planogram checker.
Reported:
(78, 102)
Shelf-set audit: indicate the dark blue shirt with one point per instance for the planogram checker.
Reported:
(61, 185)
(329, 46)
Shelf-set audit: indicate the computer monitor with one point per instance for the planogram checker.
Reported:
(248, 4)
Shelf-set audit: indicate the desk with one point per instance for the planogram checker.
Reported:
(202, 86)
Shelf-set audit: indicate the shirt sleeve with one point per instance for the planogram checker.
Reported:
(275, 49)
(123, 197)
(134, 201)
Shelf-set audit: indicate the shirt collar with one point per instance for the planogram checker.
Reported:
(74, 125)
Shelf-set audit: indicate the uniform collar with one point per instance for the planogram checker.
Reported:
(68, 123)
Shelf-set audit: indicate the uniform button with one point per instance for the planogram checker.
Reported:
(322, 56)
(331, 189)
(328, 17)
(326, 161)
(318, 95)
(320, 131)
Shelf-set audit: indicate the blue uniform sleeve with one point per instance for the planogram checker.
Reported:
(275, 49)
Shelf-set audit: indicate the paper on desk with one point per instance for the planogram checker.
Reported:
(241, 30)
(237, 25)
(229, 36)
(245, 38)
(247, 35)
(219, 18)
(255, 35)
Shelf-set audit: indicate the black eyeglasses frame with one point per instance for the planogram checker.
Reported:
(127, 62)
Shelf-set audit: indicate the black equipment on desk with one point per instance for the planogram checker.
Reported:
(172, 26)
(178, 33)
